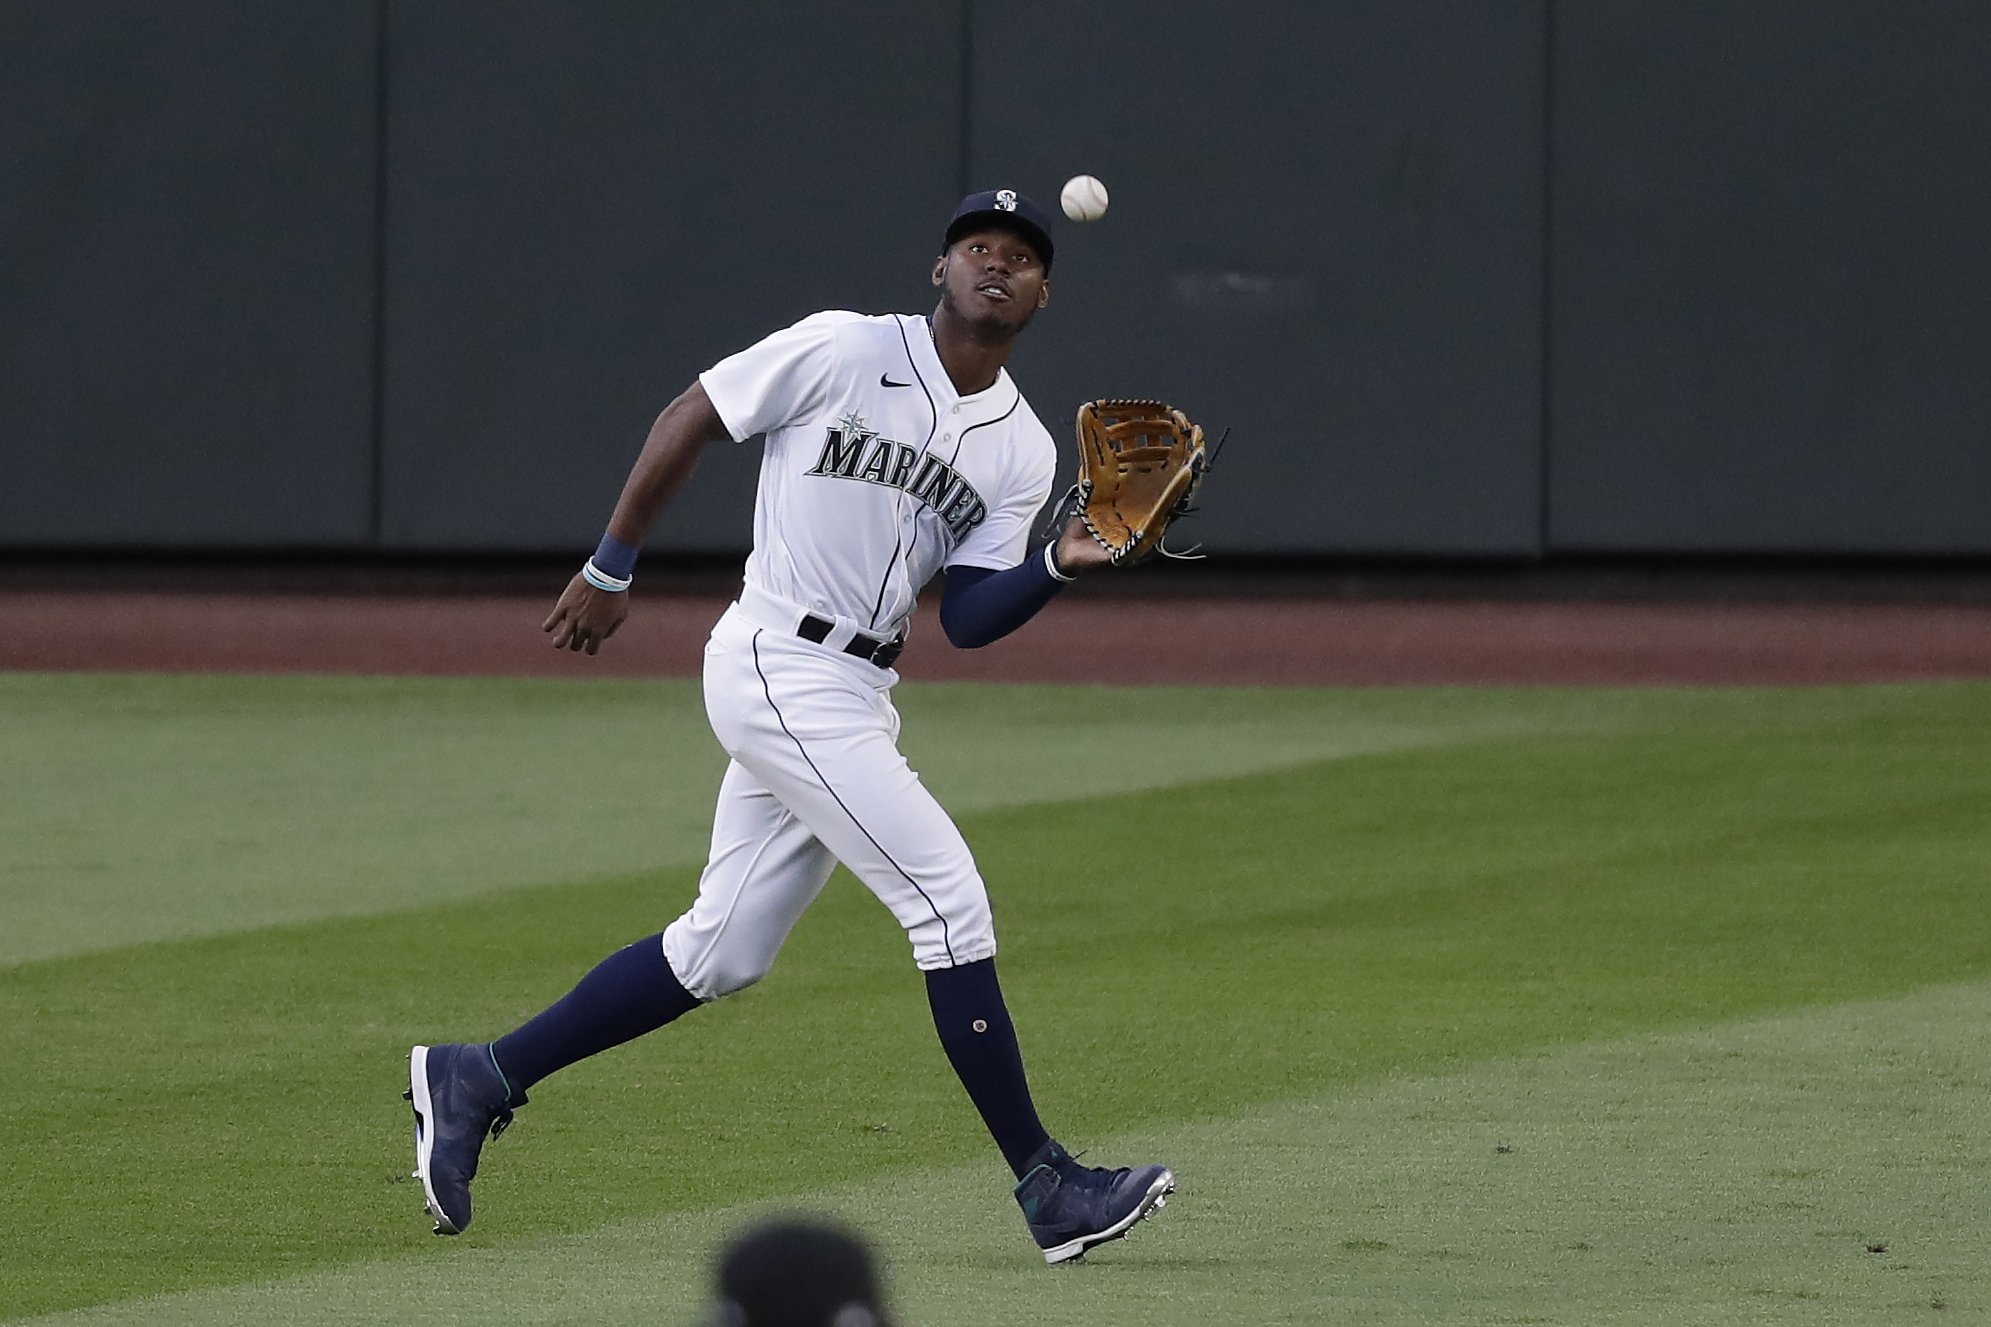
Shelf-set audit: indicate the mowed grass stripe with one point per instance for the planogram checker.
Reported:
(223, 1110)
(1817, 1168)
(143, 808)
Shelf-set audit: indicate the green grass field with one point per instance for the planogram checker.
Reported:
(1449, 1006)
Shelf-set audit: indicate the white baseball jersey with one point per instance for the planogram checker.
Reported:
(876, 472)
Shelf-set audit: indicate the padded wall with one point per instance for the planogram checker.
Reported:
(186, 269)
(1754, 229)
(592, 202)
(1325, 232)
(1771, 308)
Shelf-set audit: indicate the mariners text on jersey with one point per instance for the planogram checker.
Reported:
(852, 451)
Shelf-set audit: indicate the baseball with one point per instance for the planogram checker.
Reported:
(1083, 198)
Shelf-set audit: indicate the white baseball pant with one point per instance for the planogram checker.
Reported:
(816, 777)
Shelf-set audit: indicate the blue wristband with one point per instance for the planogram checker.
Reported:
(615, 558)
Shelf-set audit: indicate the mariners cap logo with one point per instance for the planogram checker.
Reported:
(1006, 199)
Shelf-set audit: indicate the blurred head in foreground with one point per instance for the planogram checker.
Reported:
(797, 1272)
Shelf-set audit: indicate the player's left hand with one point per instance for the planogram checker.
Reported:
(585, 616)
(1078, 551)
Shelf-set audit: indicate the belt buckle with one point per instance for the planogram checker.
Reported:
(887, 652)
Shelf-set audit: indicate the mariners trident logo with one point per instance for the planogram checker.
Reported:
(1006, 199)
(853, 451)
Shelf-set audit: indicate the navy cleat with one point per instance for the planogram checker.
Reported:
(1069, 1207)
(458, 1095)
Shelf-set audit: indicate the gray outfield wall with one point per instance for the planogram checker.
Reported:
(1482, 280)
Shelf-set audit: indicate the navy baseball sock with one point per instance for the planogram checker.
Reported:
(980, 1042)
(630, 992)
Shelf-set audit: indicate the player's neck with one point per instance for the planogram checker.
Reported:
(972, 358)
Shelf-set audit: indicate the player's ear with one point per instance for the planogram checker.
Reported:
(1044, 293)
(940, 269)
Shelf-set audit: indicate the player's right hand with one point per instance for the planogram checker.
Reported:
(585, 616)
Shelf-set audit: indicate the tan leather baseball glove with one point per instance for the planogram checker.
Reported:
(1139, 463)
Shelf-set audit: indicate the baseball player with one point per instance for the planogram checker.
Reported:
(895, 446)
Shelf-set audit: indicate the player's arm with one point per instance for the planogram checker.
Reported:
(587, 614)
(980, 605)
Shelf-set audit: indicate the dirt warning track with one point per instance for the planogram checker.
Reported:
(1093, 637)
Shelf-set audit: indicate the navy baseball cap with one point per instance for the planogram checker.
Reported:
(1009, 209)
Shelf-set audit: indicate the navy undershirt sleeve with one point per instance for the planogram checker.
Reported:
(980, 606)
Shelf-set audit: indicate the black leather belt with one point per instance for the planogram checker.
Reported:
(878, 649)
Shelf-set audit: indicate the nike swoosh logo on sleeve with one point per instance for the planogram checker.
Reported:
(885, 380)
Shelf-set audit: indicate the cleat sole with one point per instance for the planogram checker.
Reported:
(417, 1097)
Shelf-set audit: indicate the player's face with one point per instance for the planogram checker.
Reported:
(993, 280)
